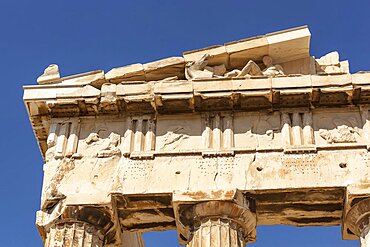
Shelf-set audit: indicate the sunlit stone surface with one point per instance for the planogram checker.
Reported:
(211, 144)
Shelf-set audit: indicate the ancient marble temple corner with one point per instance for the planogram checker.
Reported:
(211, 144)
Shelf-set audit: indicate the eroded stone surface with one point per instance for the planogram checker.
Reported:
(330, 64)
(77, 234)
(144, 146)
(51, 74)
(217, 232)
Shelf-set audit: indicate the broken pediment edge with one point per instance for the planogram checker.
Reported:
(222, 60)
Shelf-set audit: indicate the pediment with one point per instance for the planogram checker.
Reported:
(290, 49)
(282, 46)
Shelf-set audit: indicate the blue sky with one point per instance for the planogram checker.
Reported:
(87, 35)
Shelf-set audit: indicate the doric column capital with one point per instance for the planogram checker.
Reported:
(63, 222)
(358, 217)
(231, 211)
(239, 216)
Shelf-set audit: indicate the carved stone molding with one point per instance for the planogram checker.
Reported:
(63, 138)
(140, 137)
(218, 132)
(297, 131)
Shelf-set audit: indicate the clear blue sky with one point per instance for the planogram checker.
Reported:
(87, 35)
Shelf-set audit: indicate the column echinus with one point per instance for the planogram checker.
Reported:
(217, 222)
(358, 221)
(75, 226)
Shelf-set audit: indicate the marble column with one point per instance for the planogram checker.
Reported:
(219, 224)
(365, 237)
(73, 234)
(358, 221)
(217, 232)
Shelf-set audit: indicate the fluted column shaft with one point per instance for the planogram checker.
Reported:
(365, 237)
(218, 223)
(73, 234)
(217, 232)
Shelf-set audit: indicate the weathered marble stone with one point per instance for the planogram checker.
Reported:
(217, 232)
(330, 64)
(68, 234)
(165, 68)
(126, 73)
(51, 74)
(210, 144)
(365, 238)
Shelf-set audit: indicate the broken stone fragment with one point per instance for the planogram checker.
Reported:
(50, 75)
(331, 58)
(126, 73)
(93, 137)
(164, 68)
(341, 134)
(109, 146)
(330, 63)
(94, 78)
